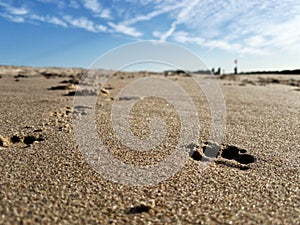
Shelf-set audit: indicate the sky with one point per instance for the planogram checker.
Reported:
(261, 35)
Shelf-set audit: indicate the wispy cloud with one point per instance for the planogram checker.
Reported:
(152, 14)
(282, 36)
(18, 11)
(14, 10)
(121, 28)
(105, 13)
(246, 27)
(13, 18)
(181, 18)
(84, 23)
(97, 9)
(92, 5)
(49, 19)
(74, 4)
(159, 7)
(58, 3)
(185, 38)
(67, 21)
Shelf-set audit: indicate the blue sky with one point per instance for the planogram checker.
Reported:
(73, 33)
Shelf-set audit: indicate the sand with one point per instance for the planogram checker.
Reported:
(254, 179)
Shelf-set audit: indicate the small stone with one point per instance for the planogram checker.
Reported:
(104, 92)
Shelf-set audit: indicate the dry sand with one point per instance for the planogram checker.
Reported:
(45, 179)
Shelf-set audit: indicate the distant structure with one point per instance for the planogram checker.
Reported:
(235, 66)
(216, 72)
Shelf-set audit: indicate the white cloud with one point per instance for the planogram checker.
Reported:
(167, 34)
(18, 11)
(152, 14)
(84, 23)
(160, 7)
(101, 28)
(14, 10)
(97, 9)
(121, 28)
(74, 4)
(247, 27)
(181, 18)
(57, 21)
(92, 5)
(37, 17)
(13, 18)
(284, 36)
(49, 19)
(81, 22)
(105, 13)
(60, 4)
(184, 38)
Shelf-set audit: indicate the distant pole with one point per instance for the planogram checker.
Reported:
(235, 66)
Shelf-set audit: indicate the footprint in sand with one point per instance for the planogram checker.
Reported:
(234, 153)
(15, 139)
(228, 155)
(63, 87)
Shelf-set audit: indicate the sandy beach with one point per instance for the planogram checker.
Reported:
(46, 180)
